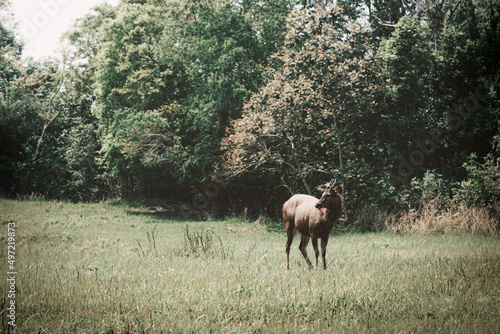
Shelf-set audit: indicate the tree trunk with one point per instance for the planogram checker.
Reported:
(42, 135)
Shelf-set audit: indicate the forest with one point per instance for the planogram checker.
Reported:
(212, 108)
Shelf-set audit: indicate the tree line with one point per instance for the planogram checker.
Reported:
(396, 100)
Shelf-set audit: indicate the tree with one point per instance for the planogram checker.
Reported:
(42, 118)
(306, 126)
(86, 176)
(10, 134)
(187, 68)
(32, 105)
(407, 58)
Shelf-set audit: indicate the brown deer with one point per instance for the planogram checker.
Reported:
(314, 219)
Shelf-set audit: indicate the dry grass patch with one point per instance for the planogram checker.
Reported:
(461, 218)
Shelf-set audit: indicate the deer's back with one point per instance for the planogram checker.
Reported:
(300, 209)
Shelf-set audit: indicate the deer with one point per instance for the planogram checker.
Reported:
(314, 220)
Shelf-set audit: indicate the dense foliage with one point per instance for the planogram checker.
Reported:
(268, 98)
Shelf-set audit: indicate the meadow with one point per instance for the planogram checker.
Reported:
(116, 268)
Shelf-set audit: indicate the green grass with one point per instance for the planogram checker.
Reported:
(91, 268)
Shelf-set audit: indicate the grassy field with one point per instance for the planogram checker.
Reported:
(111, 268)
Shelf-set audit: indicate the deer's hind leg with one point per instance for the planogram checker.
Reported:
(303, 248)
(290, 233)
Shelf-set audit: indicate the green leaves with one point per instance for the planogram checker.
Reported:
(201, 60)
(288, 131)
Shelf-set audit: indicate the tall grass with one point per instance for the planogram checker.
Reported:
(81, 270)
(456, 219)
(432, 218)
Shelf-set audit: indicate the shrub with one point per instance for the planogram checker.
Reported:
(483, 184)
(431, 188)
(372, 218)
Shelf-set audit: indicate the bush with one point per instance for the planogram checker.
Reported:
(430, 189)
(371, 218)
(483, 184)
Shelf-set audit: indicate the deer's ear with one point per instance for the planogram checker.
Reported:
(340, 189)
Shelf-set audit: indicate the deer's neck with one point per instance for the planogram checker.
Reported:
(334, 210)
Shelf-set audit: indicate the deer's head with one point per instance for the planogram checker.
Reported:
(330, 197)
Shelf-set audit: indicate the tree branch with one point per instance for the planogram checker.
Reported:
(48, 122)
(384, 23)
(300, 171)
(452, 10)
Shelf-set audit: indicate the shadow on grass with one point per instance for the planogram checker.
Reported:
(157, 215)
(175, 214)
(154, 209)
(169, 212)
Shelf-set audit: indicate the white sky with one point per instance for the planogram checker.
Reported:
(42, 22)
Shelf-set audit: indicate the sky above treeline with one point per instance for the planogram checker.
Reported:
(41, 23)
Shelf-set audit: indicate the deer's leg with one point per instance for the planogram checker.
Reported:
(315, 246)
(324, 242)
(303, 248)
(290, 233)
